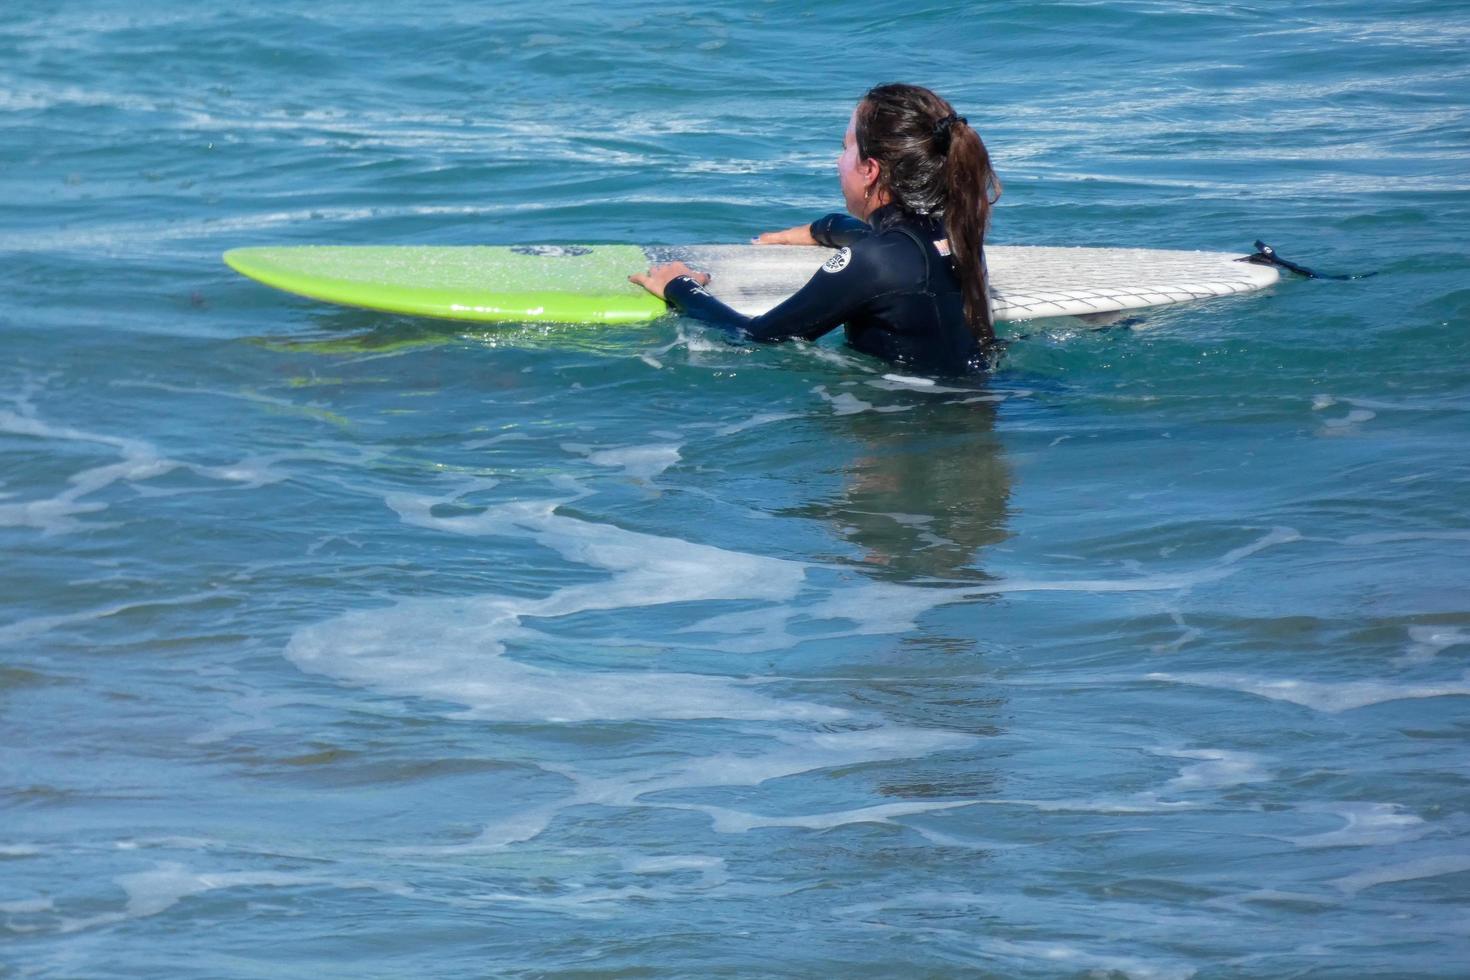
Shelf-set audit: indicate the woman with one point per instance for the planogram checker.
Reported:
(908, 279)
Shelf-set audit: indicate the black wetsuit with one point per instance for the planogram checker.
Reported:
(888, 284)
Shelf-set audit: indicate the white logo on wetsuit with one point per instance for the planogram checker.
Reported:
(838, 261)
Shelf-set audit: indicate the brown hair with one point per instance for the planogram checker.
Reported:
(932, 162)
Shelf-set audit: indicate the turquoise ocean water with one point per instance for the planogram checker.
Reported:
(342, 644)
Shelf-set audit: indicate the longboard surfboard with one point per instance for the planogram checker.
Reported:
(588, 283)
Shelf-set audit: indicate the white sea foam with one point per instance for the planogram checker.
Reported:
(739, 822)
(454, 650)
(1329, 697)
(1218, 769)
(1138, 803)
(846, 403)
(1429, 641)
(1453, 403)
(786, 752)
(15, 98)
(1387, 537)
(710, 869)
(1187, 634)
(699, 340)
(249, 473)
(582, 901)
(25, 905)
(1356, 416)
(140, 462)
(858, 609)
(458, 643)
(1219, 569)
(1058, 956)
(152, 892)
(1429, 867)
(516, 827)
(639, 462)
(497, 440)
(58, 514)
(755, 420)
(451, 651)
(655, 569)
(840, 357)
(928, 386)
(904, 381)
(1363, 825)
(39, 625)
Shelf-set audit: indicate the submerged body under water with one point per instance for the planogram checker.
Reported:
(348, 644)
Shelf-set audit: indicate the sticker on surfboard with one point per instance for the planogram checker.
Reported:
(551, 251)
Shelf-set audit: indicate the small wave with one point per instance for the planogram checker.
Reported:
(1325, 696)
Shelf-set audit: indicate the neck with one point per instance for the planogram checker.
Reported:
(876, 202)
(884, 212)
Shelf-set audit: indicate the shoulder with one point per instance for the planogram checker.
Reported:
(896, 251)
(860, 261)
(835, 230)
(881, 263)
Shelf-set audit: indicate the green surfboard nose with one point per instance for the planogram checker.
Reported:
(484, 283)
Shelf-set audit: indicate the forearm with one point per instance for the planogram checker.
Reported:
(816, 308)
(692, 299)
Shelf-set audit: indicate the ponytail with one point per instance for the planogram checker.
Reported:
(972, 188)
(932, 162)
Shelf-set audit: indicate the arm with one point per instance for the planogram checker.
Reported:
(839, 230)
(831, 230)
(828, 299)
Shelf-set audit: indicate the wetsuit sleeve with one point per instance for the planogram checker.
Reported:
(837, 230)
(848, 280)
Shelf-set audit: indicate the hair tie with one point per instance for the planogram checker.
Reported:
(942, 134)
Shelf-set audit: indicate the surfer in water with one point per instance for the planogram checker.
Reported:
(908, 280)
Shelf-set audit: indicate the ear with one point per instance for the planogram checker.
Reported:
(870, 171)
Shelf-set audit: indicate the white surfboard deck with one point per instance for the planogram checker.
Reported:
(1026, 281)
